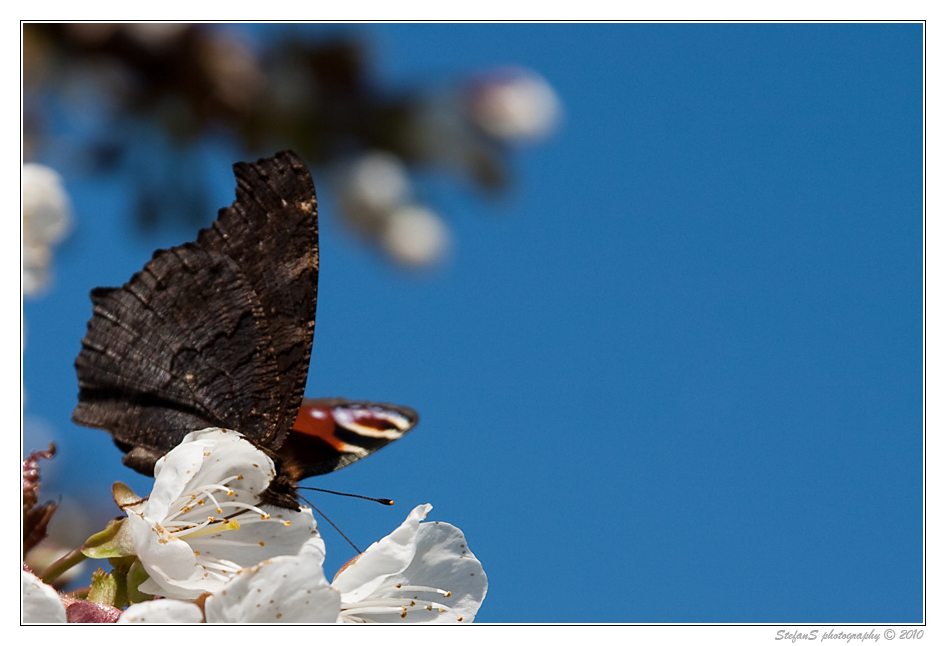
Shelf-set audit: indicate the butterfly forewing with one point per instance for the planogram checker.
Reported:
(213, 333)
(271, 232)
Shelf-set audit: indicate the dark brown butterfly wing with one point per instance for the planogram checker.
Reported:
(271, 231)
(212, 333)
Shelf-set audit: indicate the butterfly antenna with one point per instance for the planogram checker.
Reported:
(330, 522)
(383, 501)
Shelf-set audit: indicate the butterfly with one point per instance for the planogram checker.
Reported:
(218, 333)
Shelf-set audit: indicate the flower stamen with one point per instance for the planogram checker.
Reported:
(210, 526)
(355, 611)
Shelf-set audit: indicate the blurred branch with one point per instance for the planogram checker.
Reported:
(190, 82)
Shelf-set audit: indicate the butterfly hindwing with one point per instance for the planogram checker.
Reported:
(330, 434)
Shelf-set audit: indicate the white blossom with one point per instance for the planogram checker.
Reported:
(203, 522)
(421, 572)
(283, 589)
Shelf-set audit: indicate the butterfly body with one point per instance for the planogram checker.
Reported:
(218, 333)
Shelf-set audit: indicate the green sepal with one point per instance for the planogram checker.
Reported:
(136, 576)
(113, 541)
(108, 589)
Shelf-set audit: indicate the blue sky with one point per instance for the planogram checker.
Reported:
(675, 376)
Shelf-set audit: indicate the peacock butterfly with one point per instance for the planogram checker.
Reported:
(218, 332)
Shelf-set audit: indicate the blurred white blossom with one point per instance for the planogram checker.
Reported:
(376, 194)
(415, 235)
(236, 75)
(372, 187)
(513, 104)
(47, 219)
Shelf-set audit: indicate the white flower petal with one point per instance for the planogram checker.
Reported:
(282, 534)
(162, 611)
(170, 562)
(386, 558)
(444, 558)
(285, 589)
(204, 458)
(41, 603)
